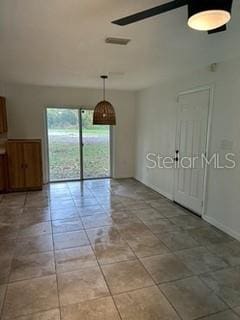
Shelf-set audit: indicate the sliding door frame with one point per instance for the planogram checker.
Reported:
(46, 145)
(80, 142)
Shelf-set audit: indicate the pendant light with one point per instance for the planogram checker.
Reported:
(104, 113)
(207, 15)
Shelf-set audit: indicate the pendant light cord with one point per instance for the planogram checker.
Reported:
(104, 77)
(104, 88)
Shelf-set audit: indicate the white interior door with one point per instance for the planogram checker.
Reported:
(191, 141)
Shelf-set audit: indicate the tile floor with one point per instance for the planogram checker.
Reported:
(111, 250)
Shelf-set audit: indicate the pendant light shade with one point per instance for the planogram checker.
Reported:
(104, 113)
(207, 15)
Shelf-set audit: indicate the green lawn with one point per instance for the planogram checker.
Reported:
(64, 154)
(87, 132)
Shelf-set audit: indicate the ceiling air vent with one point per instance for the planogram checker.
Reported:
(119, 41)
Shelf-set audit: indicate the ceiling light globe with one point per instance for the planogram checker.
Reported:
(209, 20)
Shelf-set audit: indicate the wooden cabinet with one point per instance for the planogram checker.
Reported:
(16, 171)
(3, 116)
(24, 165)
(3, 173)
(32, 158)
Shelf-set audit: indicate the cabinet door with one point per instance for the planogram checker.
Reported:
(3, 115)
(33, 164)
(15, 165)
(3, 173)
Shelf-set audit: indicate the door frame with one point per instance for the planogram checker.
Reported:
(46, 144)
(210, 88)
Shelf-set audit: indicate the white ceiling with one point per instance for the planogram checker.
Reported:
(61, 43)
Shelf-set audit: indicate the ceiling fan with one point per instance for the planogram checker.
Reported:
(203, 15)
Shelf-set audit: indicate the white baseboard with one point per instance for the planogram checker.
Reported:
(155, 188)
(220, 226)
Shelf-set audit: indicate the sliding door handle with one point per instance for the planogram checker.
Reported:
(177, 156)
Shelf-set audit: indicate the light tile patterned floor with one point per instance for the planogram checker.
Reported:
(112, 250)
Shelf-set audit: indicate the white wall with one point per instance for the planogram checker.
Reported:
(2, 89)
(26, 104)
(156, 127)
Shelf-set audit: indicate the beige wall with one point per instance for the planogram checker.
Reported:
(156, 127)
(26, 105)
(2, 89)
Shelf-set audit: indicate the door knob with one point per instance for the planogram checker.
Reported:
(176, 158)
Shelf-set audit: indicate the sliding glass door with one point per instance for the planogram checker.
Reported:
(96, 147)
(76, 148)
(63, 144)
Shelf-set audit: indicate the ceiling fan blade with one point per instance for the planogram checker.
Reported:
(220, 29)
(151, 12)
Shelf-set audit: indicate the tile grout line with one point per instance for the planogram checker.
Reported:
(90, 244)
(10, 269)
(213, 291)
(193, 275)
(157, 285)
(185, 230)
(212, 314)
(7, 284)
(30, 314)
(4, 301)
(111, 295)
(9, 274)
(137, 259)
(55, 264)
